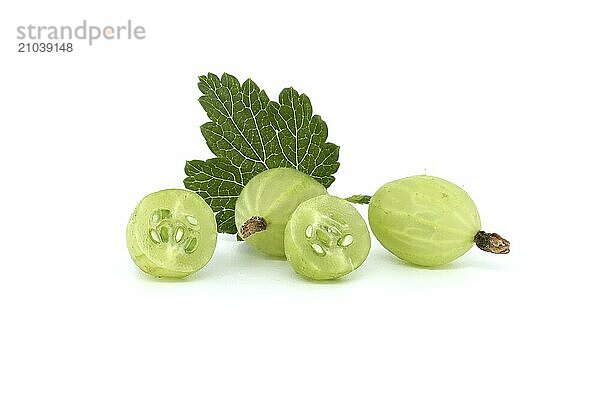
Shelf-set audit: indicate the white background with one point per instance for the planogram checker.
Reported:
(500, 97)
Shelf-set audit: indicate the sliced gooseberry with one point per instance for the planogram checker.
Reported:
(171, 233)
(326, 238)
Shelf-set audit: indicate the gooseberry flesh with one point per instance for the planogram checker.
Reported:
(326, 238)
(171, 233)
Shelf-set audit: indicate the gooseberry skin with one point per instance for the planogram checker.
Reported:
(424, 220)
(171, 233)
(326, 238)
(273, 195)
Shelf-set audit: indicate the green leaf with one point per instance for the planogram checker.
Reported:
(248, 134)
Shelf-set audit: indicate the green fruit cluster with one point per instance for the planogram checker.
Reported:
(282, 212)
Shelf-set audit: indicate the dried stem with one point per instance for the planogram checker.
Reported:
(492, 242)
(253, 225)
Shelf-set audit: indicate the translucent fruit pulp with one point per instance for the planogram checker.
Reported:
(171, 233)
(326, 238)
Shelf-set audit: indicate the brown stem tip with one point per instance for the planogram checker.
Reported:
(492, 242)
(253, 225)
